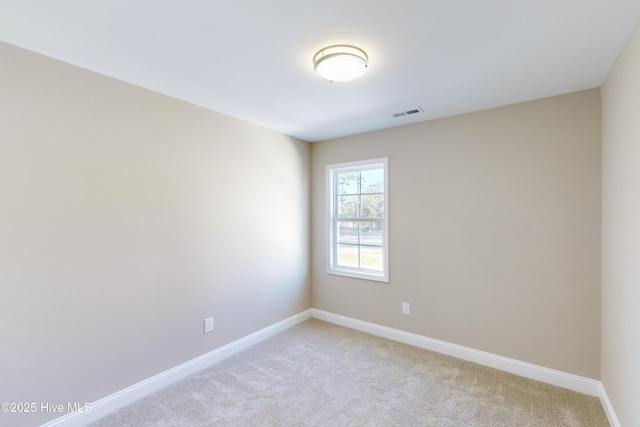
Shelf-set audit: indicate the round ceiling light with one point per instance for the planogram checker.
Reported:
(340, 63)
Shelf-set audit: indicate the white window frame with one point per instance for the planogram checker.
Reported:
(332, 221)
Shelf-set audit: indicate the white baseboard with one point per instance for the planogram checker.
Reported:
(608, 408)
(144, 388)
(527, 370)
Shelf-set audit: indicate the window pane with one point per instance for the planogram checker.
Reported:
(371, 233)
(373, 206)
(347, 182)
(371, 258)
(347, 256)
(347, 232)
(372, 181)
(348, 206)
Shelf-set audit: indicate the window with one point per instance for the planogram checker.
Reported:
(357, 220)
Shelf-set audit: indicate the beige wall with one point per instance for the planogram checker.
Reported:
(494, 231)
(621, 234)
(126, 218)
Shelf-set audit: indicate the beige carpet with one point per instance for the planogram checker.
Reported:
(320, 374)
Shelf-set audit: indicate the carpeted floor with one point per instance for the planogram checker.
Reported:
(320, 374)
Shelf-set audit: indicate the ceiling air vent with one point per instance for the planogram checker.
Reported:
(405, 113)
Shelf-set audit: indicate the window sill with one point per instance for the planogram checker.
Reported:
(358, 275)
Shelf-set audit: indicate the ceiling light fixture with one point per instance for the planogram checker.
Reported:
(340, 63)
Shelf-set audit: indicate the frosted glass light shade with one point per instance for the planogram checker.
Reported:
(340, 63)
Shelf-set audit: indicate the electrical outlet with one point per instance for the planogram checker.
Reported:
(208, 325)
(406, 308)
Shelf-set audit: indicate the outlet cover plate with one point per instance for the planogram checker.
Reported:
(406, 308)
(208, 325)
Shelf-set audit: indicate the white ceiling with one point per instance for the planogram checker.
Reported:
(252, 59)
